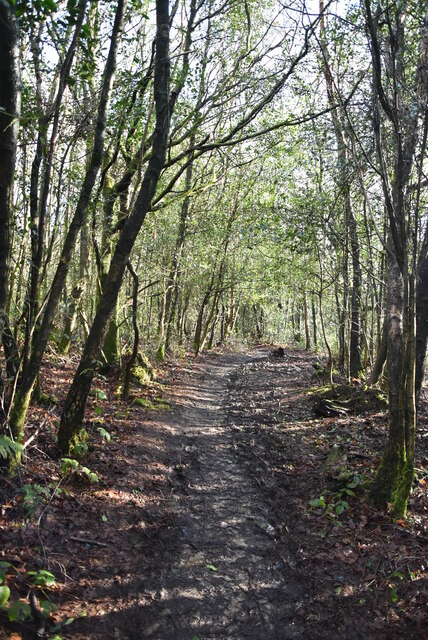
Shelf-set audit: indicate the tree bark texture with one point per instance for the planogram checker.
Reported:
(72, 417)
(9, 119)
(421, 324)
(22, 400)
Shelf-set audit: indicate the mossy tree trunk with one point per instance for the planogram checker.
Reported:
(72, 416)
(421, 323)
(23, 396)
(9, 118)
(399, 133)
(133, 357)
(391, 481)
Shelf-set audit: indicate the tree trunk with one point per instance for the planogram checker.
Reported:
(172, 283)
(76, 294)
(134, 354)
(9, 118)
(305, 316)
(381, 355)
(350, 222)
(199, 321)
(314, 323)
(45, 154)
(72, 417)
(421, 324)
(22, 399)
(394, 476)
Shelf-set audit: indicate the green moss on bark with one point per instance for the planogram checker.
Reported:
(18, 414)
(392, 482)
(111, 344)
(160, 353)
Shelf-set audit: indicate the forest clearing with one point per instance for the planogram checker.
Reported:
(213, 319)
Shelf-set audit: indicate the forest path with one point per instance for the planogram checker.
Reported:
(201, 525)
(222, 577)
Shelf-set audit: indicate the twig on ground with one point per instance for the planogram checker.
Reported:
(88, 541)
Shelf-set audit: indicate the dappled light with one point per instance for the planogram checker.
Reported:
(213, 319)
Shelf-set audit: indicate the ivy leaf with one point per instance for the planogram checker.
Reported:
(19, 611)
(42, 578)
(4, 595)
(317, 502)
(48, 608)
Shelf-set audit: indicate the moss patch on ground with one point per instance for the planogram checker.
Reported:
(143, 373)
(153, 404)
(354, 400)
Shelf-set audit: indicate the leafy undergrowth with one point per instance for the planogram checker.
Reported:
(78, 534)
(364, 569)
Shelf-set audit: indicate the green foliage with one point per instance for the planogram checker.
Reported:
(79, 449)
(334, 505)
(32, 496)
(41, 578)
(105, 435)
(4, 567)
(19, 611)
(48, 607)
(70, 466)
(393, 595)
(100, 394)
(4, 595)
(9, 448)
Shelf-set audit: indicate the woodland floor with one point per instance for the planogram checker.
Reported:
(204, 518)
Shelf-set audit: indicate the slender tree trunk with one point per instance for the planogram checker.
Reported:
(314, 322)
(45, 154)
(350, 222)
(77, 292)
(381, 355)
(134, 354)
(199, 322)
(9, 117)
(72, 417)
(355, 366)
(172, 283)
(22, 399)
(421, 324)
(305, 316)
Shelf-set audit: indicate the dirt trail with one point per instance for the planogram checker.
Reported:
(201, 525)
(223, 577)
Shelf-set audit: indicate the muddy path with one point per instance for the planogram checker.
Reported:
(201, 525)
(234, 551)
(221, 576)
